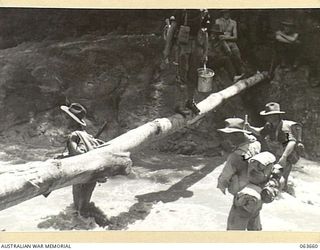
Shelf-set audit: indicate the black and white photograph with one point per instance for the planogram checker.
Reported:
(159, 119)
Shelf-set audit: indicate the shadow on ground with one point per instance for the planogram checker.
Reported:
(142, 208)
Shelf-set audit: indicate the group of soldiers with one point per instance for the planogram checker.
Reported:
(256, 170)
(261, 160)
(259, 165)
(194, 39)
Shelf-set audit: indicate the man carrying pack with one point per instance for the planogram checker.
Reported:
(281, 137)
(189, 30)
(244, 146)
(264, 183)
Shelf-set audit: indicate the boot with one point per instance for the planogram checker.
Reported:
(190, 104)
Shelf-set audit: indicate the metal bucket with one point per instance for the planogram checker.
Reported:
(205, 78)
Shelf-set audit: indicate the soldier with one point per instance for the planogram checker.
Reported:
(287, 44)
(80, 142)
(280, 137)
(218, 53)
(234, 174)
(244, 146)
(188, 29)
(228, 27)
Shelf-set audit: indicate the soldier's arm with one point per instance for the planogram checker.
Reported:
(287, 38)
(280, 38)
(227, 172)
(255, 130)
(73, 147)
(292, 141)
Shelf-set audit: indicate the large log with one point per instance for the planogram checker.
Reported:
(154, 130)
(29, 180)
(23, 182)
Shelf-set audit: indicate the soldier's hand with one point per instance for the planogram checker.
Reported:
(247, 126)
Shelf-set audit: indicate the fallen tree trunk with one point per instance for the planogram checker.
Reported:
(23, 182)
(29, 180)
(151, 131)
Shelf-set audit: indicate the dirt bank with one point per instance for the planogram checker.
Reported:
(109, 60)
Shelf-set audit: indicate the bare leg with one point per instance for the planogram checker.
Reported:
(286, 174)
(81, 196)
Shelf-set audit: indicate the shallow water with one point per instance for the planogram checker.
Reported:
(168, 192)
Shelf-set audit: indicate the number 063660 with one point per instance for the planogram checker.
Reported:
(309, 246)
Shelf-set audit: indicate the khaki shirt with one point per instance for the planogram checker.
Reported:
(276, 139)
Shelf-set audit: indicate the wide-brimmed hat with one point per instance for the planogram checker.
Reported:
(272, 108)
(288, 22)
(234, 125)
(215, 28)
(76, 111)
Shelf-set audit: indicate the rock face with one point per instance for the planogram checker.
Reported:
(109, 75)
(109, 61)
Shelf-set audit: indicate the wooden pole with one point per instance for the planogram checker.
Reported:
(151, 131)
(26, 181)
(23, 182)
